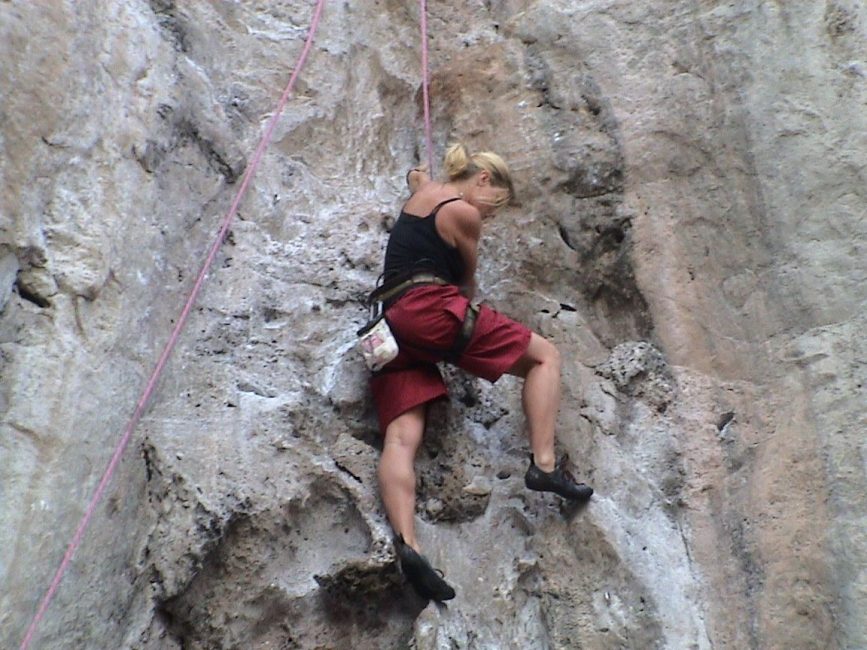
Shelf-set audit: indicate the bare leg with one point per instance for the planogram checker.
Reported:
(397, 474)
(540, 368)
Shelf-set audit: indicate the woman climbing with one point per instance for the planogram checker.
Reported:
(429, 282)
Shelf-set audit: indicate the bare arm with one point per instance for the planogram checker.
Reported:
(466, 226)
(416, 177)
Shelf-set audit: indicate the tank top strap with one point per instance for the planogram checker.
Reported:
(441, 204)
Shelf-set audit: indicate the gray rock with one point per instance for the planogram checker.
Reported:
(690, 234)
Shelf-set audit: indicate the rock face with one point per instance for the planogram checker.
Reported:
(691, 233)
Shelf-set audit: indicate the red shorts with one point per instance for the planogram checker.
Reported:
(426, 321)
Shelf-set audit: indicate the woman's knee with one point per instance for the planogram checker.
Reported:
(540, 351)
(549, 353)
(406, 429)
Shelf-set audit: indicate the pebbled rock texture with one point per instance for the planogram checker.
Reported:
(690, 232)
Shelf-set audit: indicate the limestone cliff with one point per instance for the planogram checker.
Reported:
(691, 233)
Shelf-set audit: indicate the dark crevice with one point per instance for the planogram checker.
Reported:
(167, 14)
(346, 470)
(174, 630)
(31, 296)
(724, 420)
(151, 155)
(564, 235)
(149, 463)
(614, 232)
(216, 160)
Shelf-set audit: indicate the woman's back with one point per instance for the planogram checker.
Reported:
(416, 242)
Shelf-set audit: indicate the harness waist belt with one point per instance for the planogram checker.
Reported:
(389, 293)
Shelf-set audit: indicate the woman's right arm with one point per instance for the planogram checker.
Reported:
(467, 224)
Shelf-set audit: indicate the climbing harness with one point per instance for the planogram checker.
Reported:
(377, 342)
(387, 294)
(173, 338)
(464, 334)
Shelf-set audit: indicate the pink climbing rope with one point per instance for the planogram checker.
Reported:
(424, 88)
(173, 338)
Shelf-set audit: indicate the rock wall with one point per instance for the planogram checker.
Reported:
(690, 232)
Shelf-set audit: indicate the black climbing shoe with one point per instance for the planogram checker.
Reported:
(559, 481)
(426, 581)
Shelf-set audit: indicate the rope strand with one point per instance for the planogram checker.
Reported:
(173, 338)
(424, 88)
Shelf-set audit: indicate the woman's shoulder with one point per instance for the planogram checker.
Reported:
(460, 209)
(429, 199)
(460, 216)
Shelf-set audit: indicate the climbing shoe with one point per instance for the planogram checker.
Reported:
(427, 581)
(560, 481)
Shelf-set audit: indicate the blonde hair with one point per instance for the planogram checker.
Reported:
(459, 164)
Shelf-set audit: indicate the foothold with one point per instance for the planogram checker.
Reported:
(479, 487)
(724, 420)
(640, 370)
(434, 506)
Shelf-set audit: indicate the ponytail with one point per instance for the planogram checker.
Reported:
(460, 164)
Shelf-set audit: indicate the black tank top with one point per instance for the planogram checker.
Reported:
(415, 245)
